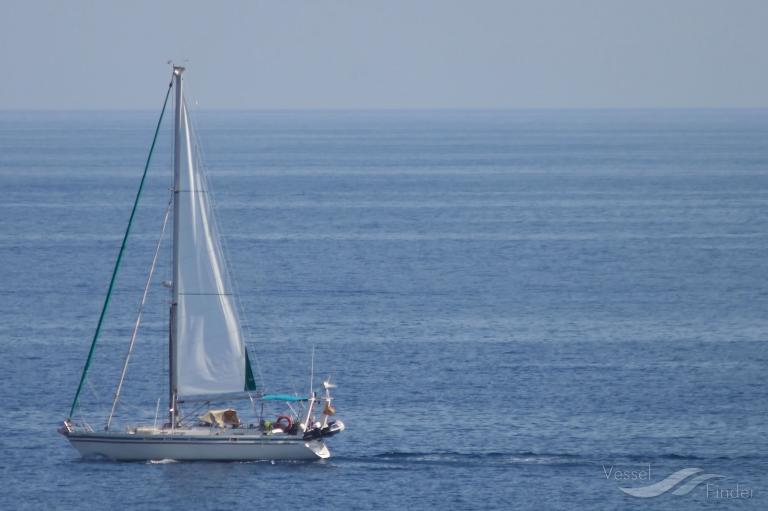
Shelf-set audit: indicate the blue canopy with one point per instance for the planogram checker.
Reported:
(282, 397)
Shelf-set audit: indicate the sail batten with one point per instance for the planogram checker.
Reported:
(210, 355)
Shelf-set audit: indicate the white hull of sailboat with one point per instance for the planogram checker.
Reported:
(132, 447)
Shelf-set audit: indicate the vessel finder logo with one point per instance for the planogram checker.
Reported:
(683, 482)
(678, 483)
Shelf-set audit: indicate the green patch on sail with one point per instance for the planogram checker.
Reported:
(250, 382)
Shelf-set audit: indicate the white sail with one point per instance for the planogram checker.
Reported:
(209, 353)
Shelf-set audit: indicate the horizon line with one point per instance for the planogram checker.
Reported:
(393, 109)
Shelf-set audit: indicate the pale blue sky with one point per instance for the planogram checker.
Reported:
(386, 54)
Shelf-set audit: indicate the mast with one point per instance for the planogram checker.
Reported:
(173, 329)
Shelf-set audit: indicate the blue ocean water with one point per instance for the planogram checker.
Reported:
(518, 306)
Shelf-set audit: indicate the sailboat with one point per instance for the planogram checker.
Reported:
(208, 360)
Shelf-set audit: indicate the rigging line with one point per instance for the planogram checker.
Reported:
(119, 257)
(140, 313)
(195, 410)
(206, 294)
(96, 397)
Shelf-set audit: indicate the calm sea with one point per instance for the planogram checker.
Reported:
(521, 308)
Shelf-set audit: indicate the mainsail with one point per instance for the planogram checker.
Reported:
(209, 355)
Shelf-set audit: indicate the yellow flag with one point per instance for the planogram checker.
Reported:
(329, 410)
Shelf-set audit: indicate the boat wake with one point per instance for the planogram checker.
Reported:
(393, 458)
(465, 458)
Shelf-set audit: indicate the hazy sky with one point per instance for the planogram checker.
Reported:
(386, 54)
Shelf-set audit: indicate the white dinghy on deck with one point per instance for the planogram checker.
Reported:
(208, 359)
